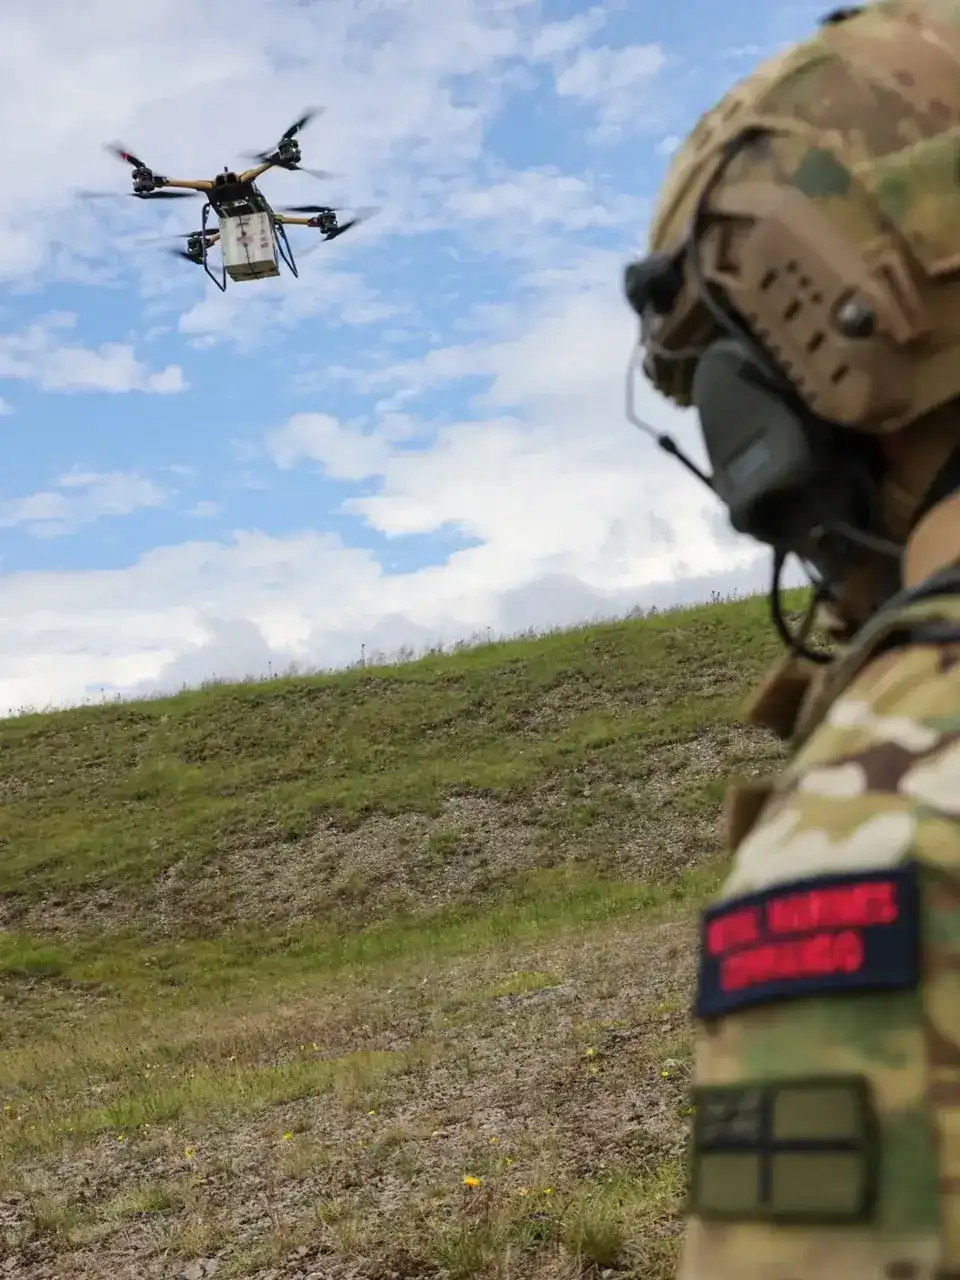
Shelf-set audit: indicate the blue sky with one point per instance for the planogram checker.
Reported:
(421, 438)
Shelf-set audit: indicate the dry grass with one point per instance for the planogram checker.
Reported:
(551, 1073)
(287, 964)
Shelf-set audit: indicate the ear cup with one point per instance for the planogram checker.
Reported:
(763, 454)
(788, 478)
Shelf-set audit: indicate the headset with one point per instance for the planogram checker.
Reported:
(795, 482)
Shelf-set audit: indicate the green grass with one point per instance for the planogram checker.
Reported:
(547, 904)
(105, 798)
(307, 944)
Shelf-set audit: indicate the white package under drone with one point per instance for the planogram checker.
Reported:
(248, 246)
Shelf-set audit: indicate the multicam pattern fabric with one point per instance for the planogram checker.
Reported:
(872, 104)
(864, 119)
(875, 786)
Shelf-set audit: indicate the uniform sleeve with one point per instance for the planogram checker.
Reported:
(876, 789)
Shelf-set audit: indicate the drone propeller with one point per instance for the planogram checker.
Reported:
(138, 195)
(275, 153)
(311, 113)
(278, 163)
(121, 153)
(344, 226)
(360, 215)
(170, 238)
(165, 195)
(308, 208)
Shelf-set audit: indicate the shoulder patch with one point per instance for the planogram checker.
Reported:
(828, 934)
(787, 1151)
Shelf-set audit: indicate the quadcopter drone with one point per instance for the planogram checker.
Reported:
(251, 236)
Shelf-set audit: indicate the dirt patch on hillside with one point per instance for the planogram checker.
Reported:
(650, 821)
(565, 1101)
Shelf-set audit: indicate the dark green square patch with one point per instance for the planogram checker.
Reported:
(785, 1151)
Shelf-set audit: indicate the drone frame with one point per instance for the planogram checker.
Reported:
(238, 189)
(208, 237)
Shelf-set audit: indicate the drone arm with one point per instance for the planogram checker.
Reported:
(187, 184)
(251, 175)
(294, 222)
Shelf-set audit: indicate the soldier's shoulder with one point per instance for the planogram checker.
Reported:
(884, 760)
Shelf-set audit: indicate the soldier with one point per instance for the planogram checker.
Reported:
(803, 294)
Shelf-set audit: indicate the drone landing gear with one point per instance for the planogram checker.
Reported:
(219, 280)
(284, 248)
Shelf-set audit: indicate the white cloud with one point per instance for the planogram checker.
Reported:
(38, 355)
(250, 313)
(736, 52)
(345, 454)
(244, 68)
(567, 484)
(668, 145)
(79, 498)
(564, 352)
(305, 598)
(617, 82)
(440, 68)
(6, 408)
(540, 197)
(555, 38)
(569, 512)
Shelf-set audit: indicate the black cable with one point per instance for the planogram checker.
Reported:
(795, 642)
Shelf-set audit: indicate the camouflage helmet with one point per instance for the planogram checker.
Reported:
(830, 181)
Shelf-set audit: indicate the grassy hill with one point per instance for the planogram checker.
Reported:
(367, 976)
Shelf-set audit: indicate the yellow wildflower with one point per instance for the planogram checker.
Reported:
(189, 1152)
(591, 1052)
(287, 1137)
(471, 1181)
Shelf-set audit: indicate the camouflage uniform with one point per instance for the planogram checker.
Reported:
(827, 1127)
(874, 785)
